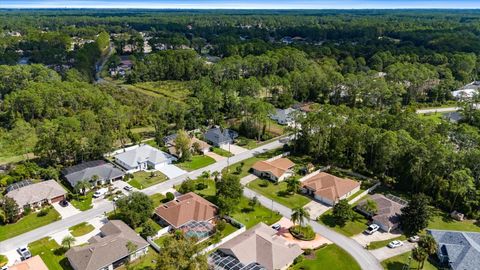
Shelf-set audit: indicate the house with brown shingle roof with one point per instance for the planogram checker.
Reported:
(275, 170)
(388, 211)
(257, 248)
(195, 145)
(328, 188)
(109, 249)
(184, 209)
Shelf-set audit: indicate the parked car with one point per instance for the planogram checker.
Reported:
(24, 252)
(4, 268)
(395, 244)
(100, 192)
(63, 203)
(128, 188)
(372, 228)
(414, 239)
(276, 227)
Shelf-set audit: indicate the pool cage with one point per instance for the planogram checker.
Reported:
(222, 261)
(198, 229)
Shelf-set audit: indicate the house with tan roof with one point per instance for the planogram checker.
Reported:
(275, 170)
(195, 145)
(109, 249)
(34, 263)
(257, 248)
(389, 209)
(328, 188)
(184, 209)
(35, 195)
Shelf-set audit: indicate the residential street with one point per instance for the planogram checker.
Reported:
(364, 258)
(107, 206)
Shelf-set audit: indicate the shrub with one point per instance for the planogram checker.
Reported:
(27, 210)
(187, 186)
(303, 233)
(170, 196)
(221, 225)
(43, 212)
(299, 259)
(307, 251)
(201, 186)
(264, 183)
(3, 260)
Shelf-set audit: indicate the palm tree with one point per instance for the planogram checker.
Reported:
(82, 186)
(429, 244)
(293, 185)
(68, 241)
(299, 215)
(371, 207)
(420, 255)
(215, 175)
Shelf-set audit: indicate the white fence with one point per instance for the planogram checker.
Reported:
(121, 150)
(310, 175)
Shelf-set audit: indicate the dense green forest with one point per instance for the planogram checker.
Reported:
(367, 70)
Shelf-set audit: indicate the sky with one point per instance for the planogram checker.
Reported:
(243, 4)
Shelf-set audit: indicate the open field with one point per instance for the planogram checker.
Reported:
(277, 192)
(197, 162)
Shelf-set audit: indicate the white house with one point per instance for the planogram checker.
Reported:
(143, 158)
(284, 116)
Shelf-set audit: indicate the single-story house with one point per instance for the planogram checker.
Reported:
(169, 141)
(109, 249)
(184, 209)
(275, 170)
(388, 212)
(33, 263)
(100, 170)
(37, 194)
(328, 188)
(284, 116)
(142, 158)
(459, 250)
(257, 248)
(467, 92)
(218, 137)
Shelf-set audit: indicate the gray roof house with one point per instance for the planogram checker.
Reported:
(257, 248)
(389, 209)
(459, 250)
(109, 249)
(218, 137)
(284, 116)
(143, 157)
(105, 172)
(36, 194)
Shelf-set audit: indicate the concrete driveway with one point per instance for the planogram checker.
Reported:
(247, 179)
(172, 171)
(316, 209)
(386, 252)
(12, 256)
(234, 149)
(66, 211)
(365, 239)
(215, 156)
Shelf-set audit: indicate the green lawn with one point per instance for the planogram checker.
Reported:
(81, 229)
(356, 194)
(248, 163)
(398, 262)
(353, 227)
(443, 221)
(27, 223)
(384, 243)
(434, 117)
(221, 152)
(147, 262)
(157, 199)
(251, 217)
(277, 193)
(247, 143)
(229, 229)
(196, 162)
(52, 254)
(143, 179)
(330, 257)
(83, 203)
(159, 241)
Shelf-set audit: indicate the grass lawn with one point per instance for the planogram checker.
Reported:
(81, 229)
(248, 163)
(83, 203)
(157, 199)
(251, 217)
(221, 152)
(356, 194)
(229, 228)
(277, 193)
(434, 117)
(27, 223)
(52, 254)
(384, 243)
(443, 221)
(247, 143)
(143, 179)
(197, 162)
(398, 262)
(353, 227)
(159, 241)
(330, 257)
(147, 262)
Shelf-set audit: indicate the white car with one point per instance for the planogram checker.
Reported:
(414, 239)
(372, 228)
(100, 192)
(395, 244)
(24, 252)
(276, 227)
(128, 188)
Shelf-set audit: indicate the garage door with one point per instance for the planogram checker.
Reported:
(57, 199)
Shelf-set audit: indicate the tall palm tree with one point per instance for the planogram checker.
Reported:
(429, 244)
(299, 215)
(68, 241)
(420, 255)
(293, 185)
(82, 186)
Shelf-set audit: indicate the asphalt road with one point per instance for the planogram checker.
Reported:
(107, 206)
(439, 110)
(364, 258)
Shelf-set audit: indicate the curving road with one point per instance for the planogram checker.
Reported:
(364, 258)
